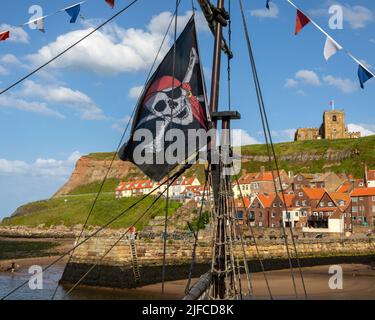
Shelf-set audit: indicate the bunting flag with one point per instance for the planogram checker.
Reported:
(301, 21)
(268, 4)
(40, 24)
(73, 12)
(331, 48)
(170, 104)
(4, 35)
(111, 3)
(364, 75)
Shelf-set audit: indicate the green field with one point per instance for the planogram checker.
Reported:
(73, 210)
(362, 150)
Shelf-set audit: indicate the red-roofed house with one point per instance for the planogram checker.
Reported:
(370, 178)
(362, 207)
(260, 182)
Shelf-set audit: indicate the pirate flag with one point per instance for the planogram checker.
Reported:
(170, 122)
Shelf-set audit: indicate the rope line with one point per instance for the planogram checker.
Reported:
(255, 243)
(267, 133)
(171, 124)
(95, 233)
(122, 138)
(122, 236)
(68, 48)
(196, 233)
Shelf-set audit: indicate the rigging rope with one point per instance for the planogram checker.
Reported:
(228, 57)
(267, 134)
(70, 47)
(171, 124)
(95, 232)
(255, 242)
(122, 138)
(124, 234)
(196, 233)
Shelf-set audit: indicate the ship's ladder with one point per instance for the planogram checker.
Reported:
(135, 265)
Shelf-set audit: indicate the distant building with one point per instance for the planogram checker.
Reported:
(333, 127)
(362, 207)
(369, 178)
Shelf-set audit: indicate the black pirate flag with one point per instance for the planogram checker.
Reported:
(171, 117)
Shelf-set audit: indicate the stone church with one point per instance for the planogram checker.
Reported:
(333, 127)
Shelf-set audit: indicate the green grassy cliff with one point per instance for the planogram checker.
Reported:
(347, 156)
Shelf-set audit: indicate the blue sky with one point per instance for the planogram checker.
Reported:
(79, 104)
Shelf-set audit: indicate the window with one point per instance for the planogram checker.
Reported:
(296, 214)
(297, 203)
(334, 118)
(260, 224)
(373, 198)
(341, 203)
(321, 204)
(304, 203)
(239, 215)
(260, 214)
(355, 199)
(360, 198)
(273, 214)
(354, 209)
(373, 208)
(274, 205)
(361, 184)
(300, 194)
(299, 178)
(330, 204)
(273, 225)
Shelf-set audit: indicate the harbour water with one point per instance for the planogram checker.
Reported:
(358, 283)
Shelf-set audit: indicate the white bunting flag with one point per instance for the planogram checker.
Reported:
(330, 48)
(40, 24)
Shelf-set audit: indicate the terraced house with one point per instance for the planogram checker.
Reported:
(362, 207)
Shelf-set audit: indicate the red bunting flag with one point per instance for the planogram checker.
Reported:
(301, 21)
(111, 3)
(4, 35)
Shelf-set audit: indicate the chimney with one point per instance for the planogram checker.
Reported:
(365, 176)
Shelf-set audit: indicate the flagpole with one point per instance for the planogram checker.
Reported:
(330, 37)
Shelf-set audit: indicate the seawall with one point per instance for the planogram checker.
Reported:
(116, 269)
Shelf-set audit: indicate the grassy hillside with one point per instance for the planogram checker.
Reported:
(73, 210)
(362, 150)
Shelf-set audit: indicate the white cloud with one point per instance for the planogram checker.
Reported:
(10, 101)
(121, 124)
(308, 77)
(365, 130)
(135, 92)
(3, 71)
(41, 167)
(290, 83)
(273, 12)
(345, 85)
(112, 50)
(75, 99)
(17, 34)
(358, 17)
(372, 40)
(9, 59)
(284, 135)
(241, 138)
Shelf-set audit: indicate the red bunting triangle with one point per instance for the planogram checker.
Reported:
(4, 35)
(301, 21)
(111, 3)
